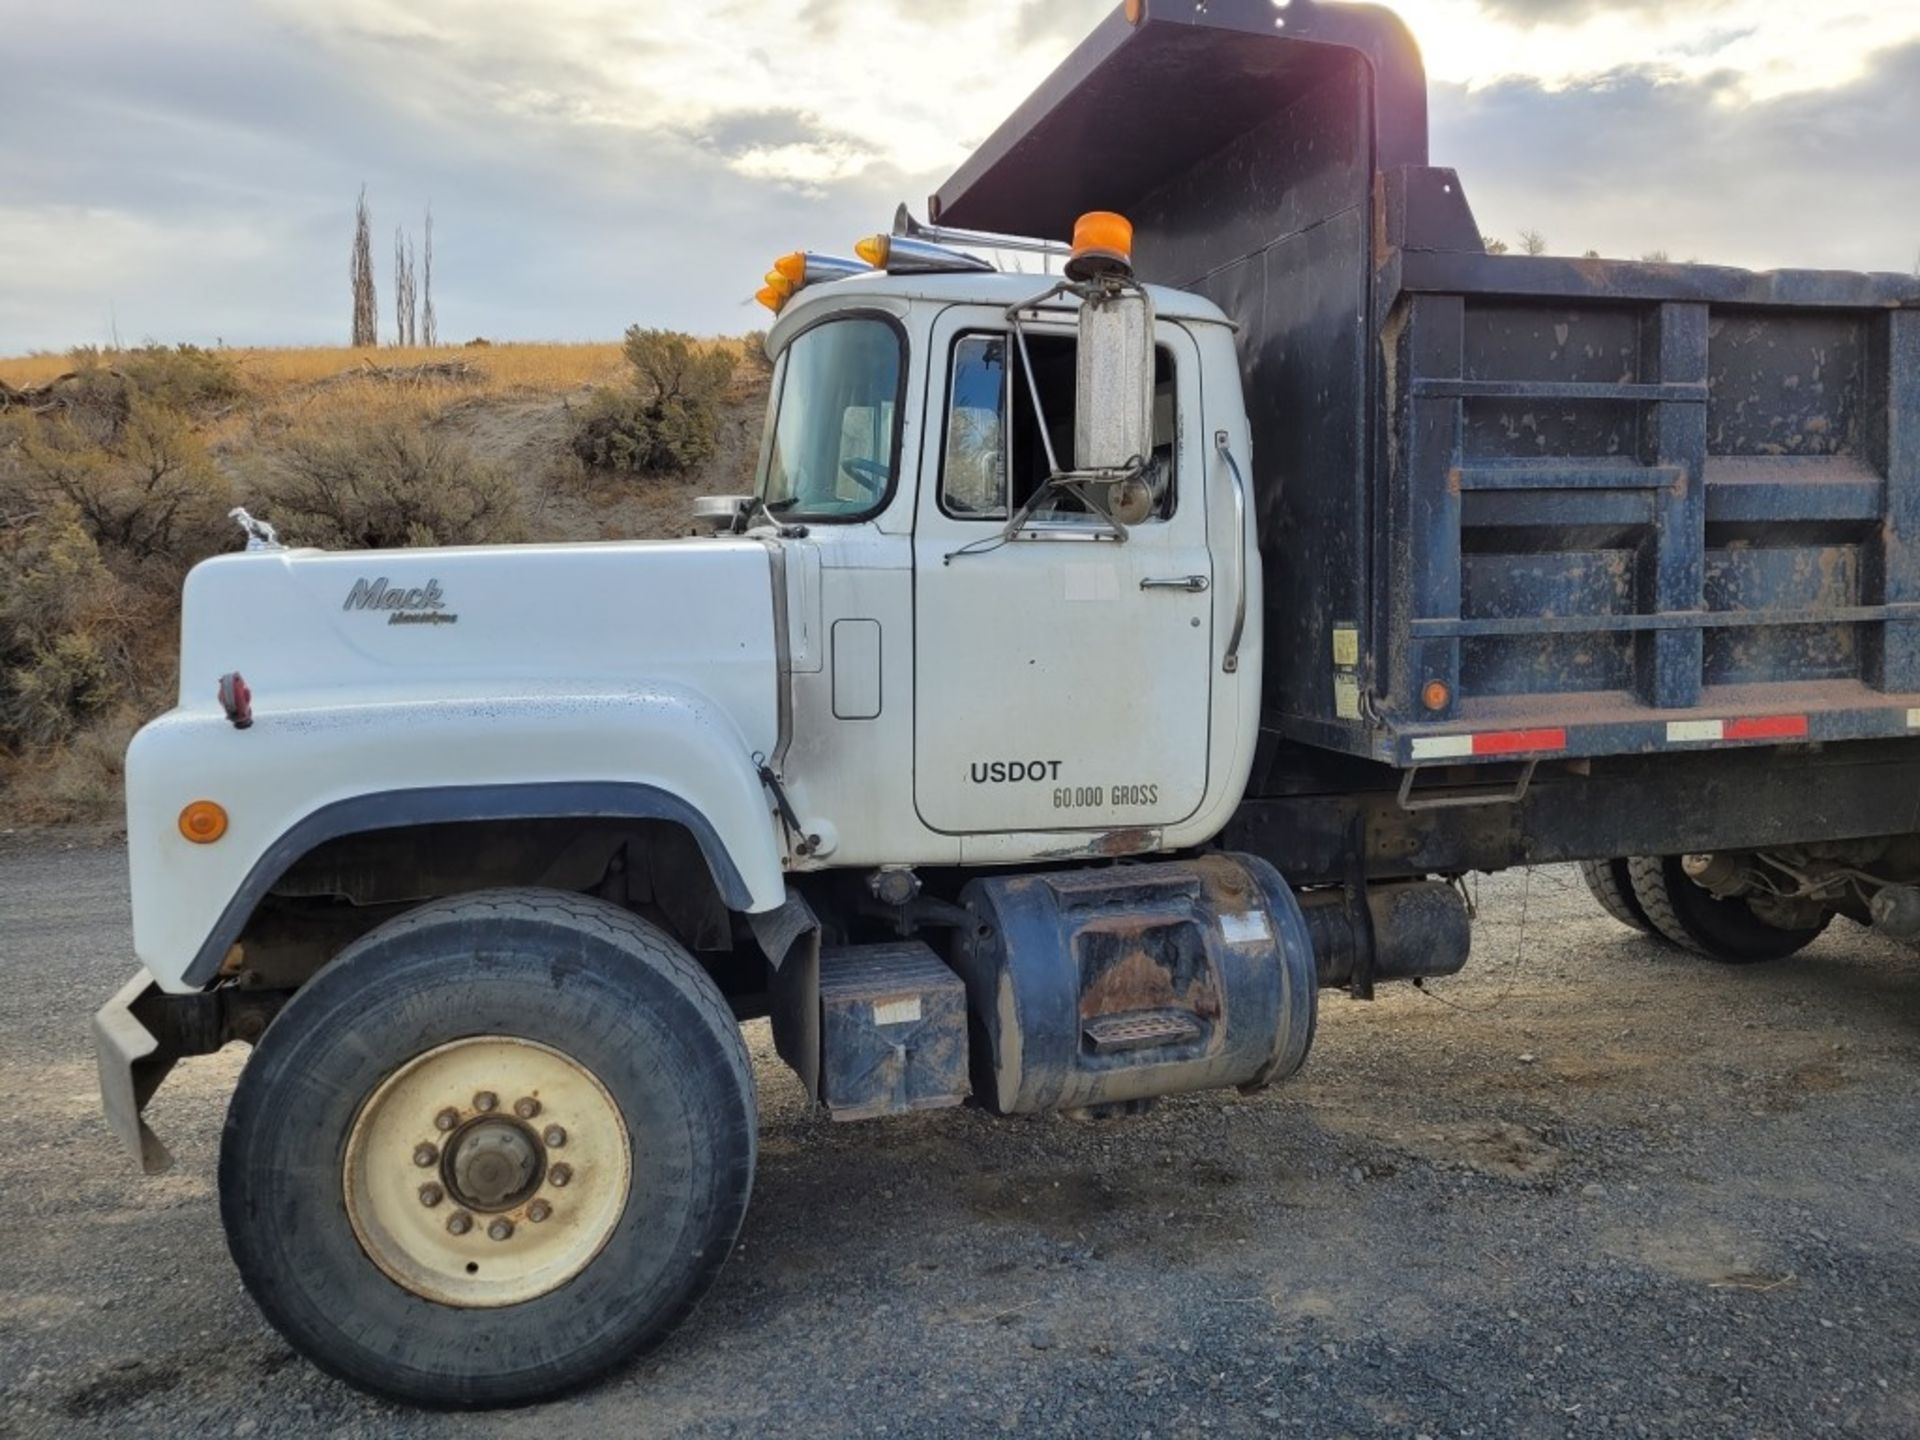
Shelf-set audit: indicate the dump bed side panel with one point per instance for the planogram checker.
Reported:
(1647, 512)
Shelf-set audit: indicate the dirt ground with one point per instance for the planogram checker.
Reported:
(1590, 1187)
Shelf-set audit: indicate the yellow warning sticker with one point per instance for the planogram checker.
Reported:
(1346, 697)
(1346, 645)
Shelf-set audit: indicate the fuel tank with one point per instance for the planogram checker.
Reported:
(1088, 988)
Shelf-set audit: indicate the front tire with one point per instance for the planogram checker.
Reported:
(588, 1103)
(1695, 919)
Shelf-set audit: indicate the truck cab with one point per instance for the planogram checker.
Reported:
(961, 696)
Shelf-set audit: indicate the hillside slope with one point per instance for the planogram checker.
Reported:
(117, 470)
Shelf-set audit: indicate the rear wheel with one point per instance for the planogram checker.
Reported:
(1612, 886)
(1695, 919)
(490, 1151)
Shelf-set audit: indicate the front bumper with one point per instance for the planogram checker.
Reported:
(132, 1065)
(142, 1032)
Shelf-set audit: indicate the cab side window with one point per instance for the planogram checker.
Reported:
(994, 458)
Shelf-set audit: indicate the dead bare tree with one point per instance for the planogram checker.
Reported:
(405, 310)
(366, 304)
(429, 326)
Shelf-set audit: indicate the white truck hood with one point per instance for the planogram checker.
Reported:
(649, 666)
(313, 629)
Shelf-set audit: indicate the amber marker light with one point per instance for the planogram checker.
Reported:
(1436, 696)
(792, 268)
(875, 250)
(1102, 236)
(203, 822)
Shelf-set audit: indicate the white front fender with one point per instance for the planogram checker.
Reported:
(298, 778)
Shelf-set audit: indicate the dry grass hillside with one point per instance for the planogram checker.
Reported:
(117, 470)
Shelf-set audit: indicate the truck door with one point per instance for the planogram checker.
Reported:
(1062, 680)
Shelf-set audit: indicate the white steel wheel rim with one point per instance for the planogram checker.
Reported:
(487, 1172)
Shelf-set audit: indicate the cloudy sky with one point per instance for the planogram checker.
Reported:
(186, 170)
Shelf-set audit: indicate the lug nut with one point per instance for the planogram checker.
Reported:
(526, 1107)
(486, 1102)
(539, 1210)
(431, 1195)
(500, 1230)
(424, 1155)
(560, 1175)
(555, 1136)
(446, 1119)
(459, 1223)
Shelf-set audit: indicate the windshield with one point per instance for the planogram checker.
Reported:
(831, 455)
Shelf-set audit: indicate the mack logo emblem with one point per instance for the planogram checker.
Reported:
(1014, 772)
(420, 605)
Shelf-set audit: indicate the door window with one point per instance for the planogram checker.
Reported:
(994, 459)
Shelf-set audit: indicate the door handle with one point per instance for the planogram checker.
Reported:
(1190, 584)
(1231, 662)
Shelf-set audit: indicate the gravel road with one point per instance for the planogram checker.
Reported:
(1591, 1187)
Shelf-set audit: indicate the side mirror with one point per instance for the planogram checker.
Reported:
(1113, 396)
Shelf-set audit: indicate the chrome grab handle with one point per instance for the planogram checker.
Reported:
(1231, 664)
(1190, 584)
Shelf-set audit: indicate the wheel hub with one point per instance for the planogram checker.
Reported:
(494, 1165)
(457, 1198)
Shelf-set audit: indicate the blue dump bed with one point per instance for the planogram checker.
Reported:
(1509, 507)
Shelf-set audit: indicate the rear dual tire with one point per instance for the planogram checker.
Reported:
(1696, 919)
(650, 1145)
(1655, 895)
(1612, 886)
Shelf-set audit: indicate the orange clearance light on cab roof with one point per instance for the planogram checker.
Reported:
(771, 298)
(875, 250)
(792, 268)
(1102, 245)
(203, 822)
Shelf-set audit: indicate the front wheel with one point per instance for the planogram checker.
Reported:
(1695, 919)
(490, 1151)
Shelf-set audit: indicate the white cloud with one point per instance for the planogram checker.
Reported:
(597, 162)
(1769, 47)
(916, 84)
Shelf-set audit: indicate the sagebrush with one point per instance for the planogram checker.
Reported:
(666, 419)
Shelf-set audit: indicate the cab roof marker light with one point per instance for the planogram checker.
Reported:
(793, 273)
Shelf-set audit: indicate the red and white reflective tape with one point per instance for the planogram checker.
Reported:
(1495, 742)
(1715, 732)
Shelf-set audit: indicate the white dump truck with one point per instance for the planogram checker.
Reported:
(1096, 671)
